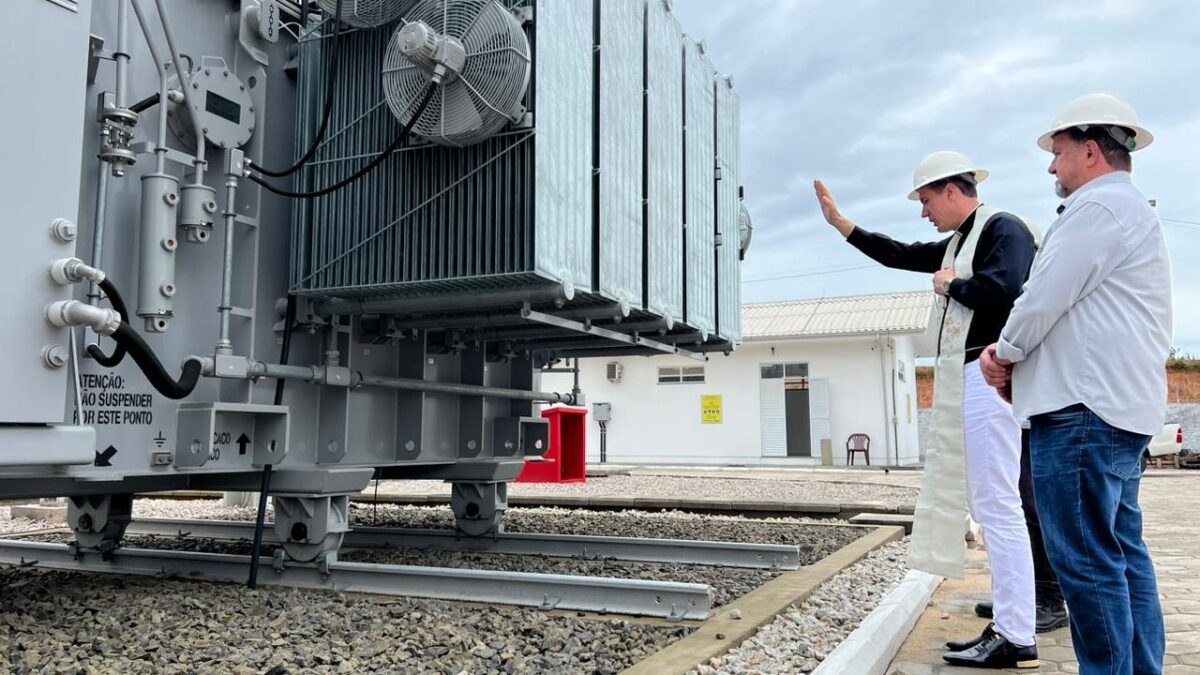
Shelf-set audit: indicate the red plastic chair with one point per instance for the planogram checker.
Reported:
(858, 443)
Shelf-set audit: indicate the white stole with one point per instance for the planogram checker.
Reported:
(939, 523)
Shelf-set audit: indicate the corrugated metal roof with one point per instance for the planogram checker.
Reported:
(846, 315)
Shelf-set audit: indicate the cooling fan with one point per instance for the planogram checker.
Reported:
(745, 230)
(476, 52)
(367, 13)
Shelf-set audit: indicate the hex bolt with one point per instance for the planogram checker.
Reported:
(54, 356)
(63, 230)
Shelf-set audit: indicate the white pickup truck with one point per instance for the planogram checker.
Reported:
(1167, 442)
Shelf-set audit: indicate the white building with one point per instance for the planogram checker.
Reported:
(809, 371)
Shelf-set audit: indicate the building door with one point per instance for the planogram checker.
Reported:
(785, 408)
(796, 410)
(772, 409)
(818, 412)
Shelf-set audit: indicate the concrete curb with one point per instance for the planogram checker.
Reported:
(869, 650)
(722, 632)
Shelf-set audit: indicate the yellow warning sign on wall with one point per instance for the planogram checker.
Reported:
(710, 408)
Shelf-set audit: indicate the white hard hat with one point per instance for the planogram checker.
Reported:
(1108, 110)
(943, 164)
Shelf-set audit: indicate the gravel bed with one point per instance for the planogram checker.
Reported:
(9, 524)
(66, 622)
(799, 639)
(815, 533)
(815, 542)
(763, 489)
(816, 538)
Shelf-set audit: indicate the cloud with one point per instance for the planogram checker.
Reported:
(856, 93)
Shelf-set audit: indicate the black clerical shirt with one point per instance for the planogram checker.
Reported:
(1002, 260)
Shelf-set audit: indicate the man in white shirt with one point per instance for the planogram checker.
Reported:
(1083, 358)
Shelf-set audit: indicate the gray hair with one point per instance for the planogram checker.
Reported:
(1114, 142)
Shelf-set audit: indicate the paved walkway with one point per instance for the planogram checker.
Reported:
(1171, 504)
(873, 475)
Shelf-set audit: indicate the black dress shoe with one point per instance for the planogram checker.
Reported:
(963, 645)
(983, 610)
(995, 652)
(1050, 617)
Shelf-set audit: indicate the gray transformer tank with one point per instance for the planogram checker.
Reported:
(418, 302)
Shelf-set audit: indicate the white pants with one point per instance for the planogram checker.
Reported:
(993, 457)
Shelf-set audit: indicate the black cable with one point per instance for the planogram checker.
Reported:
(260, 517)
(330, 86)
(118, 303)
(288, 318)
(145, 104)
(129, 338)
(375, 503)
(259, 520)
(365, 169)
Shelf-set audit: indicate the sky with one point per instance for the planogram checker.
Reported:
(856, 93)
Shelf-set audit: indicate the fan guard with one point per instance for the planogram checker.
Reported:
(745, 231)
(367, 13)
(481, 55)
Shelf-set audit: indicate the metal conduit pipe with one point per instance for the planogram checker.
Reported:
(160, 144)
(200, 162)
(121, 96)
(471, 300)
(463, 389)
(316, 375)
(121, 55)
(98, 219)
(224, 345)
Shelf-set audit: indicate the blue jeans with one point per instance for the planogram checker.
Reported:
(1086, 474)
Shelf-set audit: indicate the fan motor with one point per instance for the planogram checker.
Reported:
(475, 52)
(439, 56)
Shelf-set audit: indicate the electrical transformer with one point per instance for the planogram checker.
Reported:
(291, 247)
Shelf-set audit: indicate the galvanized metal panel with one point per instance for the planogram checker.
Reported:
(728, 205)
(621, 45)
(45, 187)
(850, 315)
(563, 63)
(458, 217)
(664, 161)
(699, 173)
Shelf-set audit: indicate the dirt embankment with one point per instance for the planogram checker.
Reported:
(1183, 386)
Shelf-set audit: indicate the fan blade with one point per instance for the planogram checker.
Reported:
(459, 112)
